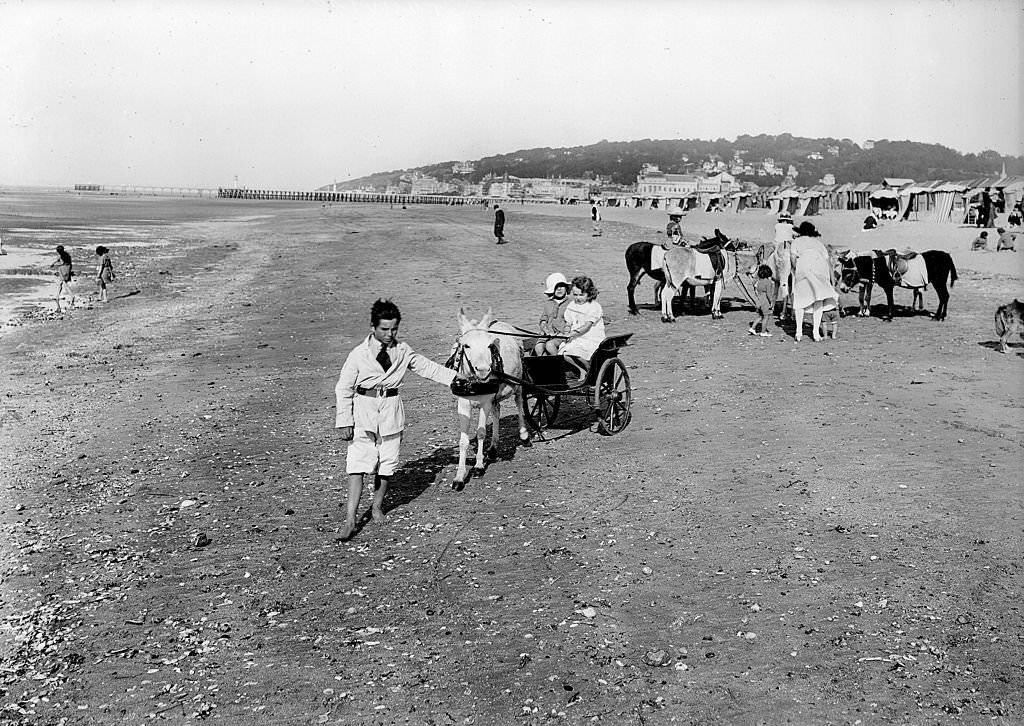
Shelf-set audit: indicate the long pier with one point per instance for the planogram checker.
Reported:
(144, 191)
(350, 196)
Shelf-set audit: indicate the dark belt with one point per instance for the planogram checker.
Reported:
(376, 391)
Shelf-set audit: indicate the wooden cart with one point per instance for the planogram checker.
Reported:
(605, 385)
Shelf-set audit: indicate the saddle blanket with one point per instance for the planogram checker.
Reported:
(703, 269)
(657, 257)
(916, 274)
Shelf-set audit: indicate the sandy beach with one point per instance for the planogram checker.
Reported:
(817, 533)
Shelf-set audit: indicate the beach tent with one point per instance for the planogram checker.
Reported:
(946, 197)
(886, 201)
(808, 203)
(1013, 191)
(712, 202)
(786, 200)
(859, 195)
(740, 201)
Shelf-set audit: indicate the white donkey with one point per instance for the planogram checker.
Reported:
(480, 353)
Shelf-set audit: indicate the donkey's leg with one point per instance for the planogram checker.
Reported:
(634, 280)
(481, 434)
(492, 450)
(524, 432)
(465, 408)
(667, 295)
(891, 305)
(943, 292)
(716, 299)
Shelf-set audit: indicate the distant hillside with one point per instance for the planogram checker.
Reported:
(620, 161)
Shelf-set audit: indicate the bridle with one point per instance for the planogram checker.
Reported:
(458, 361)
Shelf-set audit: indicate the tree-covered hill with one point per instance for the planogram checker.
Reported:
(620, 161)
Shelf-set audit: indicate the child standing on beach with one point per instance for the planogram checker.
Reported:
(106, 272)
(64, 274)
(370, 413)
(552, 317)
(764, 296)
(830, 323)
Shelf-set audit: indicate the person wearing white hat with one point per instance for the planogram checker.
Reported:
(552, 317)
(784, 230)
(673, 232)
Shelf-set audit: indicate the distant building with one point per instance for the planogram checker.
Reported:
(505, 188)
(869, 145)
(653, 182)
(828, 179)
(463, 167)
(419, 184)
(815, 156)
(556, 188)
(832, 150)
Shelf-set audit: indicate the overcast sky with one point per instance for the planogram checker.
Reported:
(295, 94)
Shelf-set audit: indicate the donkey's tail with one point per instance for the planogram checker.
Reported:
(952, 271)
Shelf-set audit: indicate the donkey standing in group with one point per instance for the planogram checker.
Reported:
(883, 268)
(492, 361)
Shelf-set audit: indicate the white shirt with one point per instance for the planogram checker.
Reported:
(382, 415)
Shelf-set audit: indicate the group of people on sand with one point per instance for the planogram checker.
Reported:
(65, 274)
(369, 413)
(811, 284)
(1006, 241)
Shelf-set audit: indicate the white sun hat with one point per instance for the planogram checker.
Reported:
(553, 280)
(675, 211)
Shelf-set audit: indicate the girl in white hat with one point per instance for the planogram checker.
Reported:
(552, 317)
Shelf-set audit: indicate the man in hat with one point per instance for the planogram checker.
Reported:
(673, 231)
(499, 224)
(595, 219)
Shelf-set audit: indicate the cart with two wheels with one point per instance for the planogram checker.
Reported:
(604, 384)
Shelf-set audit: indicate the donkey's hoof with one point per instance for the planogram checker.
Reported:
(634, 312)
(527, 442)
(477, 471)
(457, 485)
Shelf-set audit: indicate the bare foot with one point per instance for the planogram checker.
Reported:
(346, 531)
(378, 516)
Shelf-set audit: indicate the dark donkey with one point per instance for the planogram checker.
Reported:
(867, 270)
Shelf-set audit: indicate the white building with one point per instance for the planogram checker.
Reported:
(653, 182)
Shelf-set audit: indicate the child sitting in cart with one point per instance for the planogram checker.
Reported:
(552, 317)
(585, 320)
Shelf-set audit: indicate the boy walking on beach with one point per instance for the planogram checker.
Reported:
(370, 413)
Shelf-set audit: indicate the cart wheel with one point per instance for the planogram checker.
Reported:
(612, 397)
(540, 408)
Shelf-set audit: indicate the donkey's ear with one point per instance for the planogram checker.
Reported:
(486, 320)
(464, 322)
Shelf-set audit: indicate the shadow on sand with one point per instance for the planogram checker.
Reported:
(1017, 348)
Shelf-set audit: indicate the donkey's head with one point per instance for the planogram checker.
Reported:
(479, 346)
